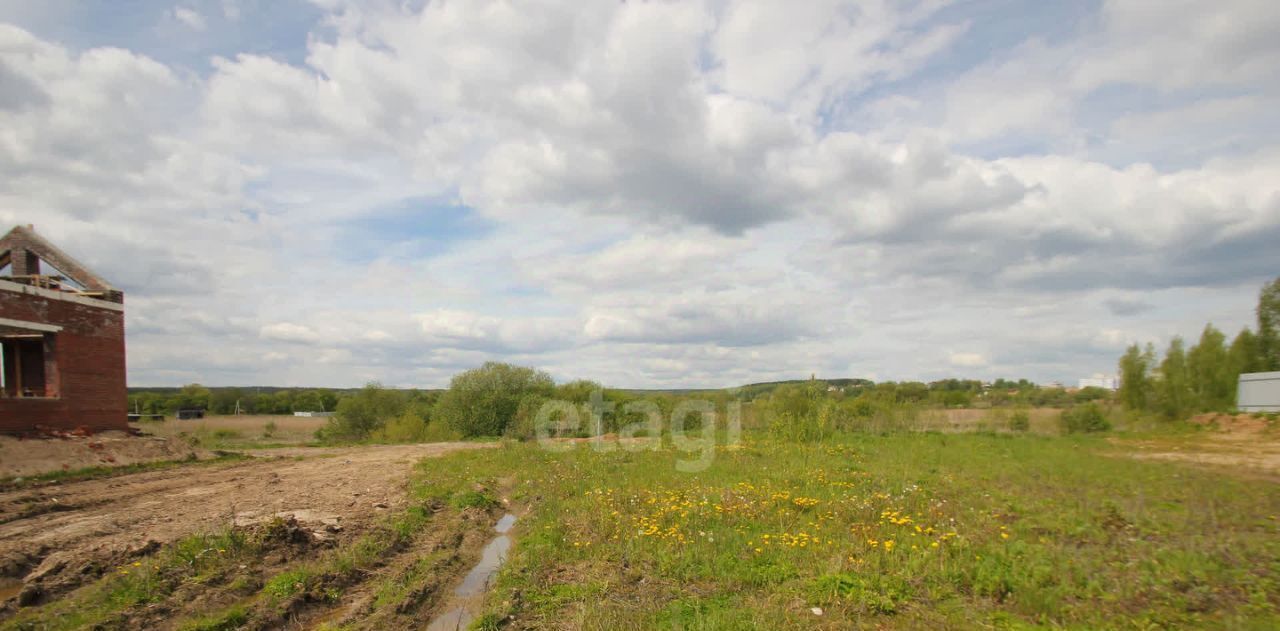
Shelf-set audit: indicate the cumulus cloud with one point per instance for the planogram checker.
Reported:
(673, 193)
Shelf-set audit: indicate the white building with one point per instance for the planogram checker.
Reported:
(1259, 392)
(1100, 381)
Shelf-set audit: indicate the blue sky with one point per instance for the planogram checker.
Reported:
(649, 194)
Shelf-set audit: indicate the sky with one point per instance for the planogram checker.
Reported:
(648, 194)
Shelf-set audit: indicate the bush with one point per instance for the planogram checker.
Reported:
(360, 415)
(522, 426)
(484, 401)
(412, 427)
(799, 412)
(1020, 421)
(1084, 418)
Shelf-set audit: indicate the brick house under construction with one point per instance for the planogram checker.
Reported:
(62, 341)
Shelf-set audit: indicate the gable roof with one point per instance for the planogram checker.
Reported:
(23, 240)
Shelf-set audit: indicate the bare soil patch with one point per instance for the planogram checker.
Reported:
(25, 457)
(1243, 443)
(91, 525)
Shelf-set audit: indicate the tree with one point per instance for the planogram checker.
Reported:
(224, 400)
(307, 401)
(191, 396)
(282, 402)
(1213, 378)
(1244, 353)
(328, 400)
(1174, 387)
(1135, 377)
(359, 415)
(1269, 326)
(484, 401)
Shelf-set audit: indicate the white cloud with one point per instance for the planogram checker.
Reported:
(231, 9)
(967, 360)
(289, 332)
(189, 17)
(654, 193)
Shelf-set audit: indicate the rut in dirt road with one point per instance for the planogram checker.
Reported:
(63, 534)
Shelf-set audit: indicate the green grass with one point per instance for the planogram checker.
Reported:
(193, 559)
(229, 620)
(901, 530)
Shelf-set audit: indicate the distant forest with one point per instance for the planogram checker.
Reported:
(943, 393)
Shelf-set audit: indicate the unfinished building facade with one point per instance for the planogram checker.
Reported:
(61, 340)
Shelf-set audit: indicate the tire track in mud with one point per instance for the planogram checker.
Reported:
(99, 522)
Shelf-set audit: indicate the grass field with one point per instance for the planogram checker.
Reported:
(898, 530)
(909, 531)
(238, 432)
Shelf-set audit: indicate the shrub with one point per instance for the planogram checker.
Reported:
(412, 427)
(363, 413)
(484, 401)
(1084, 418)
(1020, 421)
(522, 426)
(800, 412)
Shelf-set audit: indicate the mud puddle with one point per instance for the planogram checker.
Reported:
(468, 596)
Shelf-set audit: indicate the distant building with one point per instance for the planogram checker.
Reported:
(61, 341)
(1100, 381)
(313, 414)
(1259, 392)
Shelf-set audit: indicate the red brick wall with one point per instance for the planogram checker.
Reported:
(90, 354)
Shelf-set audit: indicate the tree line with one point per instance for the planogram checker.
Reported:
(1201, 378)
(231, 400)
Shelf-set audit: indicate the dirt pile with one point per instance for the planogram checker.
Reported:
(70, 452)
(1243, 443)
(1236, 424)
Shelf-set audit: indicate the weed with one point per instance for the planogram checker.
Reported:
(288, 583)
(481, 499)
(228, 620)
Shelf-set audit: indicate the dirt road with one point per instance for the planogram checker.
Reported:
(57, 533)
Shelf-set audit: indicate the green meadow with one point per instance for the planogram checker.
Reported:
(899, 530)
